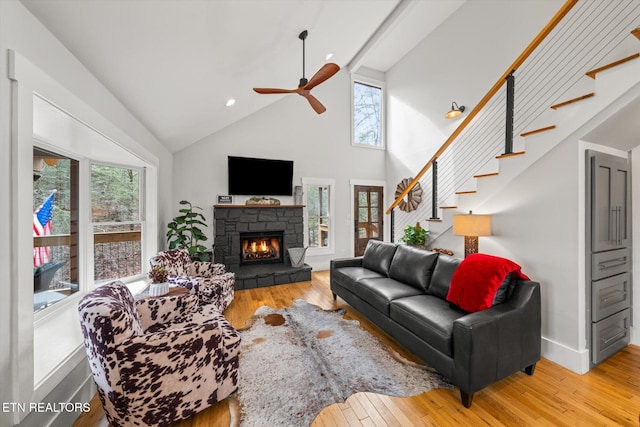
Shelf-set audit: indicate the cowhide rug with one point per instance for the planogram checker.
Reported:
(297, 360)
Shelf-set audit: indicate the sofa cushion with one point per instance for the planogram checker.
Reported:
(379, 292)
(442, 273)
(378, 255)
(413, 266)
(428, 317)
(348, 275)
(477, 282)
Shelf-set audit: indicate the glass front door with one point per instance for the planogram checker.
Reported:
(368, 214)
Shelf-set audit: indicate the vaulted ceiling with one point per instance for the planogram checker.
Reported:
(175, 63)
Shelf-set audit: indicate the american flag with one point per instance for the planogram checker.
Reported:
(42, 227)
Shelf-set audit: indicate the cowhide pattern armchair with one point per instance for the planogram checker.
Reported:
(210, 281)
(156, 378)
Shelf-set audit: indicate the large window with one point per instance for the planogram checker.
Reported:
(55, 228)
(318, 195)
(367, 114)
(116, 214)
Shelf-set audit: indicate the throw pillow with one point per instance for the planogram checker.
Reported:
(479, 278)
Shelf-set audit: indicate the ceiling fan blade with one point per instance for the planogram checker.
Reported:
(323, 74)
(315, 104)
(268, 90)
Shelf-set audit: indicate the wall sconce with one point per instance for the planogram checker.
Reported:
(471, 226)
(455, 111)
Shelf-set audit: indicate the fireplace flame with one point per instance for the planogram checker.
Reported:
(258, 249)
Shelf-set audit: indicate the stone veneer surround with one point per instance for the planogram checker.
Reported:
(231, 220)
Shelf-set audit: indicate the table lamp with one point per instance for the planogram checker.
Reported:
(471, 226)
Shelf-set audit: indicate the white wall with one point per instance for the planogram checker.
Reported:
(21, 32)
(319, 145)
(460, 61)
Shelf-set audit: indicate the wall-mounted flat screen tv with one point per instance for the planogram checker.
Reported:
(249, 176)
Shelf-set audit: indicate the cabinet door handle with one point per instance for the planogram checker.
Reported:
(612, 263)
(612, 225)
(611, 296)
(620, 226)
(615, 337)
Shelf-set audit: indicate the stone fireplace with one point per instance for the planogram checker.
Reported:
(252, 241)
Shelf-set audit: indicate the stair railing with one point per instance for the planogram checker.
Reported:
(580, 35)
(490, 94)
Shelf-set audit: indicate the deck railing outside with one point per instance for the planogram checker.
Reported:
(116, 254)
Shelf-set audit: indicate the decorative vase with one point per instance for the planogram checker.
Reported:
(158, 289)
(296, 255)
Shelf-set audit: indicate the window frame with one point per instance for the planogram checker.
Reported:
(368, 81)
(331, 184)
(46, 347)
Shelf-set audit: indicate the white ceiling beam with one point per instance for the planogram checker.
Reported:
(358, 60)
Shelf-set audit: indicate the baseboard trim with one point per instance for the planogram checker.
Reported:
(570, 358)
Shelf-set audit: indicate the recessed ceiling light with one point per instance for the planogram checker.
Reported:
(230, 102)
(328, 57)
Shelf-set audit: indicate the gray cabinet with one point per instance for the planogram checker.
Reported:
(610, 186)
(608, 254)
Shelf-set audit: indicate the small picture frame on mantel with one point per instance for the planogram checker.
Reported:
(225, 199)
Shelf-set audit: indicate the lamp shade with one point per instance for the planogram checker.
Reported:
(472, 225)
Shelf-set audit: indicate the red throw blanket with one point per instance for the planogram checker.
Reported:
(477, 279)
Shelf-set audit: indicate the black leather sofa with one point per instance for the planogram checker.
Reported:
(403, 290)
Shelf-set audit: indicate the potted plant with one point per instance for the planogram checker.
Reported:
(158, 276)
(185, 233)
(415, 235)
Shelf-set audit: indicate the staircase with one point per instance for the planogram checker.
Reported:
(587, 69)
(613, 88)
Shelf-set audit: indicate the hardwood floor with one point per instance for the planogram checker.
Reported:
(608, 395)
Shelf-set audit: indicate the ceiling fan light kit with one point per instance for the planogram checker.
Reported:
(305, 86)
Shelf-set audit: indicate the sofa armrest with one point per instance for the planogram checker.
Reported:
(345, 262)
(155, 312)
(492, 344)
(189, 282)
(207, 269)
(188, 360)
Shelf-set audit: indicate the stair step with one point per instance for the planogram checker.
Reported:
(531, 132)
(485, 175)
(448, 207)
(504, 156)
(593, 73)
(466, 192)
(571, 101)
(636, 33)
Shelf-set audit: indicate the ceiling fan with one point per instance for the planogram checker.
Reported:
(305, 86)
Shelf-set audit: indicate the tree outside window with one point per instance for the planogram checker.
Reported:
(318, 216)
(117, 221)
(367, 115)
(55, 228)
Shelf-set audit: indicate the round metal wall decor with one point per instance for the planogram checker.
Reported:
(413, 198)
